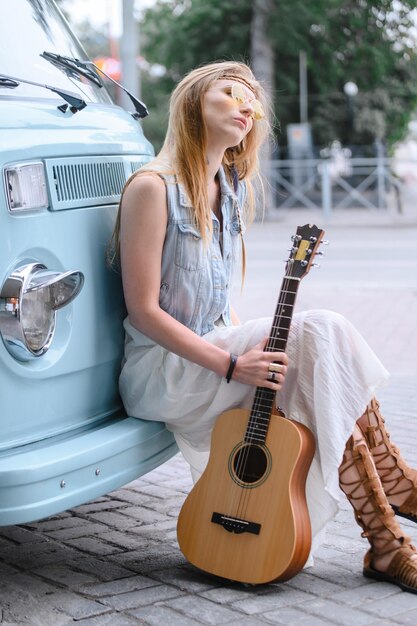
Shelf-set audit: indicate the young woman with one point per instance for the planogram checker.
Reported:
(187, 357)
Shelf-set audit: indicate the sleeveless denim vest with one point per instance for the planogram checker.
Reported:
(196, 279)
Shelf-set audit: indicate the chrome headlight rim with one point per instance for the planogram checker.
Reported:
(49, 290)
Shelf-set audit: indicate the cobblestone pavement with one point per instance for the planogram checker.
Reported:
(115, 561)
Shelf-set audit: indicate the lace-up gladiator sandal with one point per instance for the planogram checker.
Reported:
(398, 479)
(391, 558)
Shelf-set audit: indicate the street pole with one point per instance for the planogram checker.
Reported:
(303, 87)
(129, 44)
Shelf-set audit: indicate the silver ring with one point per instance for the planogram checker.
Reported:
(272, 377)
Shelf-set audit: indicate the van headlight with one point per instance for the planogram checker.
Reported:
(29, 299)
(26, 186)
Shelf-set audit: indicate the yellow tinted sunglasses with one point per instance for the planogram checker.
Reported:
(239, 96)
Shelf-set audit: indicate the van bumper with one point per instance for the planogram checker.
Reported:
(56, 474)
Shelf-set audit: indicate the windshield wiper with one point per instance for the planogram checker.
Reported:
(10, 83)
(72, 67)
(76, 103)
(83, 68)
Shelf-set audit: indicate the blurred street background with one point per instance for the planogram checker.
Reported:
(341, 77)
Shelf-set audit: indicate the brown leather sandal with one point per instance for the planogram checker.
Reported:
(396, 476)
(376, 517)
(402, 570)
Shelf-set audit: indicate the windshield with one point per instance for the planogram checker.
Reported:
(28, 28)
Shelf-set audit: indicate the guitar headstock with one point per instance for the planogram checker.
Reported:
(306, 242)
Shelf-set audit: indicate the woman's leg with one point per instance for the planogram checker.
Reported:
(391, 557)
(398, 479)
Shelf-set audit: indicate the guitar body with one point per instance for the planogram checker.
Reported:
(246, 519)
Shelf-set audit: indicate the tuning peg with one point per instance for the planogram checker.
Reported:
(296, 238)
(320, 253)
(315, 265)
(325, 242)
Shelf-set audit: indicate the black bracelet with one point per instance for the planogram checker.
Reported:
(233, 361)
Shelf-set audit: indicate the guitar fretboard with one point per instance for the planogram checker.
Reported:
(258, 424)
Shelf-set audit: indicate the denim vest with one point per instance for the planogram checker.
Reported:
(196, 278)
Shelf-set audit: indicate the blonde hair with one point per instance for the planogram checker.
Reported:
(184, 148)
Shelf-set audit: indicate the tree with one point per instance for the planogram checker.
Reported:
(367, 41)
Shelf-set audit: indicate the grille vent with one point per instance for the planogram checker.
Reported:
(89, 181)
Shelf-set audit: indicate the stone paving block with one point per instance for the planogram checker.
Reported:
(158, 491)
(93, 545)
(330, 553)
(31, 555)
(279, 597)
(204, 610)
(101, 569)
(7, 570)
(291, 616)
(95, 506)
(75, 605)
(183, 578)
(246, 620)
(133, 539)
(338, 574)
(145, 563)
(58, 523)
(155, 554)
(345, 546)
(158, 615)
(115, 520)
(141, 597)
(170, 507)
(183, 486)
(408, 618)
(114, 587)
(111, 619)
(37, 586)
(230, 593)
(389, 607)
(21, 534)
(21, 606)
(125, 496)
(362, 596)
(64, 575)
(144, 515)
(84, 529)
(336, 614)
(157, 532)
(314, 585)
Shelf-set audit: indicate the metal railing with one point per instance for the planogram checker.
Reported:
(330, 184)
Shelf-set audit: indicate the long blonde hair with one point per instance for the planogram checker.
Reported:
(184, 148)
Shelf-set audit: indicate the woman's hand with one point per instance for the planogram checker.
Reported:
(252, 367)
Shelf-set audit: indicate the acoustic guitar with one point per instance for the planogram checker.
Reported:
(246, 519)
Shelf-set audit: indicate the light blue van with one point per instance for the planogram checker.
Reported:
(65, 152)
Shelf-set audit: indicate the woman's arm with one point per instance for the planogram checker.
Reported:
(142, 235)
(234, 317)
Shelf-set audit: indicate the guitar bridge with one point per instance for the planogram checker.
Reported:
(235, 524)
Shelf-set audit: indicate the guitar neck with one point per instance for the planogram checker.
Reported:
(277, 342)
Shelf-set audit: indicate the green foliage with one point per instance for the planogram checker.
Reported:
(156, 92)
(364, 41)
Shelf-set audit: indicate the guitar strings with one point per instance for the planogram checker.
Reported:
(261, 397)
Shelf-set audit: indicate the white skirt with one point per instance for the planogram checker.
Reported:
(331, 377)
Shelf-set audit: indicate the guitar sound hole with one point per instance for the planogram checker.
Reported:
(250, 463)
